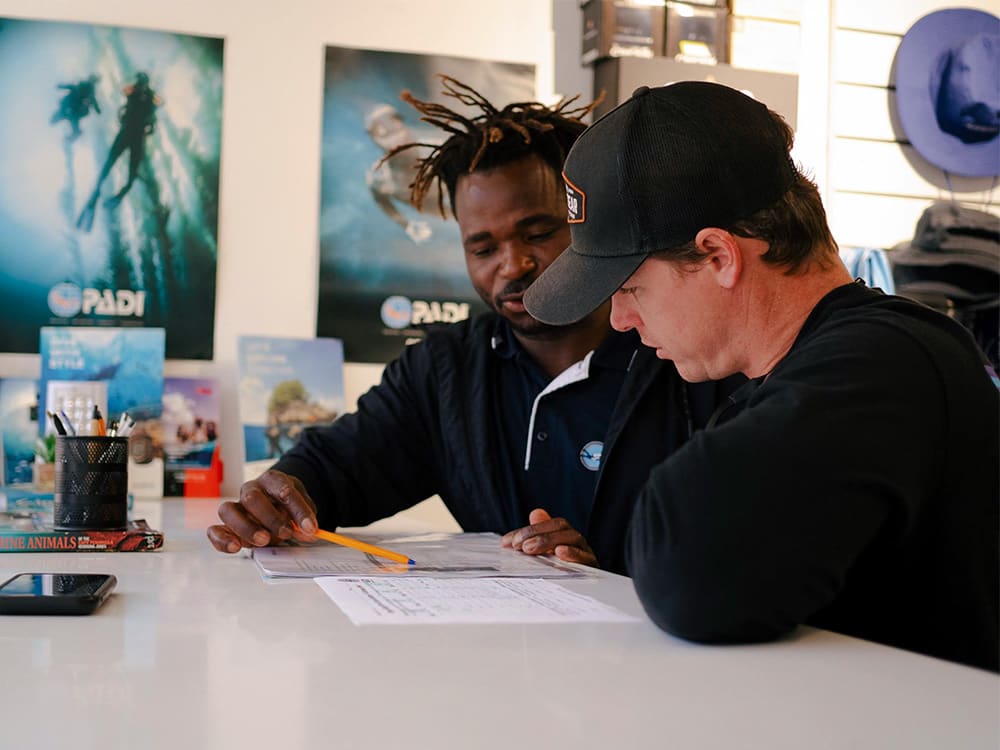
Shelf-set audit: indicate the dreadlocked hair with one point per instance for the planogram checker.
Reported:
(490, 139)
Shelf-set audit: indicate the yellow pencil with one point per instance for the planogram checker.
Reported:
(371, 549)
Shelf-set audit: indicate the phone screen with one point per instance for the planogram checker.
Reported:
(55, 593)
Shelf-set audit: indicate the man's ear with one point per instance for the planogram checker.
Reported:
(724, 254)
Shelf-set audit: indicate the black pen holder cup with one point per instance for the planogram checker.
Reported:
(91, 486)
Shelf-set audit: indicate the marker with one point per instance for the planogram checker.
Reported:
(96, 422)
(371, 549)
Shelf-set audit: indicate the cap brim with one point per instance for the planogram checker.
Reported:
(575, 285)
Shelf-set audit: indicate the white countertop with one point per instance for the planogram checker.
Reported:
(195, 650)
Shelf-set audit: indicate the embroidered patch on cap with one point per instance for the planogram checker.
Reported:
(576, 202)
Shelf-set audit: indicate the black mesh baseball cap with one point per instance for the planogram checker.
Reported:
(651, 174)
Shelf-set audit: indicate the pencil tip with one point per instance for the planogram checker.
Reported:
(411, 562)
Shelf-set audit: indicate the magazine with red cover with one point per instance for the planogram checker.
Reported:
(23, 531)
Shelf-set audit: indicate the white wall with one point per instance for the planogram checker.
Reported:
(269, 193)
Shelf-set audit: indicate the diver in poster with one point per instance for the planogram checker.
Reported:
(389, 179)
(137, 118)
(76, 103)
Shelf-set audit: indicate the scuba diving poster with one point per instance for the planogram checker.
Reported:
(109, 191)
(388, 270)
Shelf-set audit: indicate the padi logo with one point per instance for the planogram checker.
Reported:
(400, 312)
(396, 311)
(67, 300)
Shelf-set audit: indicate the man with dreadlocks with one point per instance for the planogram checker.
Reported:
(509, 420)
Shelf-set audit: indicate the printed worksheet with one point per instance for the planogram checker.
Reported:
(414, 601)
(435, 555)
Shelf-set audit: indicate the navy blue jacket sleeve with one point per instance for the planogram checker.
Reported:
(380, 459)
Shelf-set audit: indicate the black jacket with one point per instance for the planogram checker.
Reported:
(857, 491)
(430, 427)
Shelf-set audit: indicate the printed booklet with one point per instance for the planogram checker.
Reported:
(191, 419)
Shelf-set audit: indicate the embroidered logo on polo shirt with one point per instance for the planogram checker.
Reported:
(590, 455)
(576, 202)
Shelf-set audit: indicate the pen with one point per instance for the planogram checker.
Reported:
(125, 425)
(57, 423)
(371, 549)
(67, 423)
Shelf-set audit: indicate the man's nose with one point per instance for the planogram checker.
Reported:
(518, 262)
(622, 315)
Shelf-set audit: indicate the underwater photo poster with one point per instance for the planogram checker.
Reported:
(109, 192)
(387, 269)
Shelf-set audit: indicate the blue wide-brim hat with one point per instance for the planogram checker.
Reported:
(948, 90)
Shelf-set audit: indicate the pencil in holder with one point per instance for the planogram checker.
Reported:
(91, 484)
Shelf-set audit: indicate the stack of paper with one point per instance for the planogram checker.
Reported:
(456, 578)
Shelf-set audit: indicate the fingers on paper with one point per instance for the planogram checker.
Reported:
(582, 555)
(543, 531)
(516, 537)
(550, 536)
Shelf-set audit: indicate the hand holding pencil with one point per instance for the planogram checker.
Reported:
(272, 509)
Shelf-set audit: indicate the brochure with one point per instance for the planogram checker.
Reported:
(286, 385)
(191, 422)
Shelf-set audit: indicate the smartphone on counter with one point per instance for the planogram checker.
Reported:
(55, 593)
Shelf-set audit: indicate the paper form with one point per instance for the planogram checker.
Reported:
(436, 556)
(415, 601)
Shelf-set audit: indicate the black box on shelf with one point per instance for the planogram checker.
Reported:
(620, 28)
(696, 33)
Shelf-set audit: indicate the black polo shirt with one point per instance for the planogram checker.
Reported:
(554, 428)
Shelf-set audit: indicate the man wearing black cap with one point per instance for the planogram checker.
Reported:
(853, 483)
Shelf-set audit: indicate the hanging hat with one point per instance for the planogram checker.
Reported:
(955, 253)
(948, 90)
